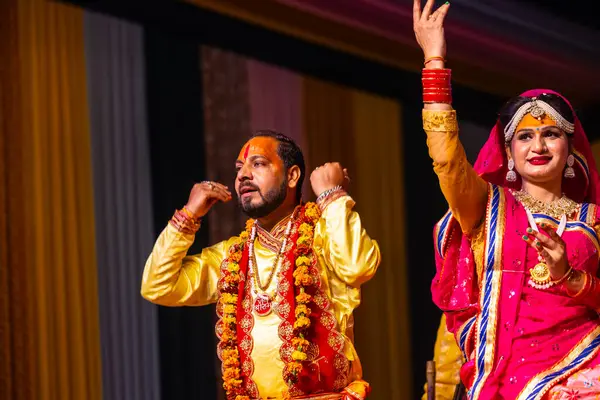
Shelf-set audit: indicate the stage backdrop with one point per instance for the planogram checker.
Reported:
(105, 125)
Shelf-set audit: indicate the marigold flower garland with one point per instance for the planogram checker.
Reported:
(232, 376)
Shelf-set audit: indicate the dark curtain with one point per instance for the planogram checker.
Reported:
(174, 90)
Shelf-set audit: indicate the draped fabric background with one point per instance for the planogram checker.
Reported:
(596, 150)
(383, 323)
(332, 123)
(275, 97)
(123, 205)
(226, 125)
(53, 340)
(15, 356)
(327, 112)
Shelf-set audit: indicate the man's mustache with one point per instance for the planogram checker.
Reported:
(248, 186)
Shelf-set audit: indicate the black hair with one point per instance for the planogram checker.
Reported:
(289, 152)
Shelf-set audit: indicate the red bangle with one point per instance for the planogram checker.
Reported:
(436, 71)
(437, 87)
(437, 99)
(435, 82)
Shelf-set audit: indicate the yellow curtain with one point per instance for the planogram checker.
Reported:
(596, 151)
(13, 328)
(363, 133)
(382, 328)
(50, 260)
(327, 110)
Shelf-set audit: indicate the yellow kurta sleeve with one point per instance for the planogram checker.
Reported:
(171, 278)
(465, 191)
(448, 360)
(348, 251)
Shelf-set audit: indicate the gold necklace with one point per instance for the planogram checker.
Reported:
(555, 209)
(254, 264)
(263, 302)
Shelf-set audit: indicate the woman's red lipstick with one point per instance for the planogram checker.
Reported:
(539, 160)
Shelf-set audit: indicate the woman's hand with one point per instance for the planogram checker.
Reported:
(552, 248)
(429, 28)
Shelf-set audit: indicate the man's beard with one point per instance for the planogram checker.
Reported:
(269, 202)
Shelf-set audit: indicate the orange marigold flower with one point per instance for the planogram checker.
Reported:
(228, 298)
(244, 237)
(302, 309)
(300, 342)
(305, 230)
(303, 247)
(231, 373)
(304, 239)
(302, 277)
(295, 367)
(232, 279)
(235, 254)
(249, 224)
(230, 309)
(228, 335)
(233, 266)
(232, 384)
(298, 356)
(229, 319)
(303, 261)
(303, 298)
(307, 280)
(238, 397)
(301, 270)
(301, 323)
(312, 212)
(230, 354)
(232, 362)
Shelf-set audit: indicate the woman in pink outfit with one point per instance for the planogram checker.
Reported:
(517, 253)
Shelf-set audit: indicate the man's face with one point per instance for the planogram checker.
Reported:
(261, 181)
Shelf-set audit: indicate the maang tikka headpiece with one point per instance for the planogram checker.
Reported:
(537, 108)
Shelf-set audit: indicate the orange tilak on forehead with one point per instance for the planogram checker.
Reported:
(530, 122)
(263, 146)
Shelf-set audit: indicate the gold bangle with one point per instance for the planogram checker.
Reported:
(189, 213)
(429, 59)
(564, 277)
(584, 286)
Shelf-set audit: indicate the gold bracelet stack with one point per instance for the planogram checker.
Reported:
(184, 221)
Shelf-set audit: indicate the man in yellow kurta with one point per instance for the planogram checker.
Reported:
(286, 287)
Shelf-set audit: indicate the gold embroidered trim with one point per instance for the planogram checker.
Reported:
(440, 121)
(274, 239)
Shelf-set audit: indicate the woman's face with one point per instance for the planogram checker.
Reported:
(539, 149)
